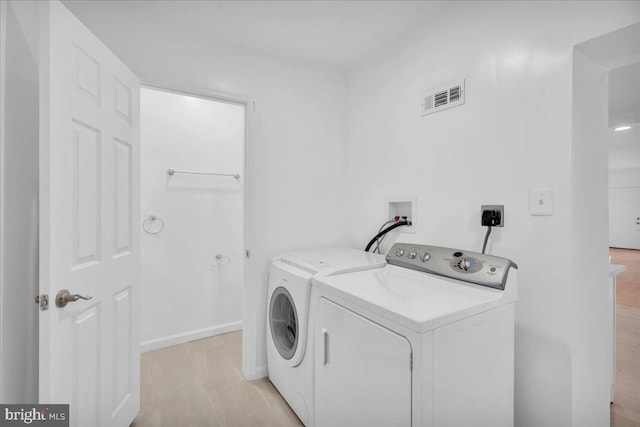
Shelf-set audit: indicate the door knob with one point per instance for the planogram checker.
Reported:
(64, 297)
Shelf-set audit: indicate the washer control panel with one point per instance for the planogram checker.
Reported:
(477, 268)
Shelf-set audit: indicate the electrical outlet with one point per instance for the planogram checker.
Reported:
(498, 208)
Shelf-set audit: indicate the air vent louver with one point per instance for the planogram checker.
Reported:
(454, 94)
(443, 97)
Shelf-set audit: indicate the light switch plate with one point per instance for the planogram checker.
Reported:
(540, 201)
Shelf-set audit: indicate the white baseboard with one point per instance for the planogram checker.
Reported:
(260, 372)
(190, 336)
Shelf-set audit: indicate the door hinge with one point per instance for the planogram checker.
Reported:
(248, 253)
(411, 361)
(43, 300)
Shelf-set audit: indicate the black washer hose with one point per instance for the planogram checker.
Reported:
(486, 238)
(385, 231)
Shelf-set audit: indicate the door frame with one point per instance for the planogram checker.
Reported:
(249, 321)
(3, 74)
(605, 66)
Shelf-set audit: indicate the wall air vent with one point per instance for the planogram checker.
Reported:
(445, 96)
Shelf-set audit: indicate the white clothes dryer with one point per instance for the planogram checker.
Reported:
(289, 352)
(428, 340)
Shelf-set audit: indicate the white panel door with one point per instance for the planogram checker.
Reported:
(363, 371)
(624, 217)
(89, 197)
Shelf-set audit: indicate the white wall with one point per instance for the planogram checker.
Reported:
(624, 153)
(624, 177)
(624, 157)
(297, 188)
(514, 133)
(624, 187)
(19, 204)
(186, 292)
(624, 92)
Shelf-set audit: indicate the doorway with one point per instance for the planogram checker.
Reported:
(607, 72)
(193, 217)
(624, 235)
(624, 156)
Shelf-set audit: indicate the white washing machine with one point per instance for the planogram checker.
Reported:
(428, 340)
(289, 353)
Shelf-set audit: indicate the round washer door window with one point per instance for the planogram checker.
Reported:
(283, 321)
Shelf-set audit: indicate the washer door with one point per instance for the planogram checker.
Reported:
(283, 321)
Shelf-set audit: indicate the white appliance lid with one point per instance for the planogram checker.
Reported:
(420, 301)
(330, 261)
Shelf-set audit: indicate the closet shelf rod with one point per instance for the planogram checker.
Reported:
(174, 171)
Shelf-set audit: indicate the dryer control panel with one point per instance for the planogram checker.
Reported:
(473, 267)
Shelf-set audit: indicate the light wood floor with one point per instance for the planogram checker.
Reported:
(625, 412)
(200, 384)
(628, 292)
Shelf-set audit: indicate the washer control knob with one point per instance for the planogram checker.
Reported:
(400, 252)
(466, 264)
(425, 257)
(412, 254)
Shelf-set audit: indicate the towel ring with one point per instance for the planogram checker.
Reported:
(221, 260)
(151, 219)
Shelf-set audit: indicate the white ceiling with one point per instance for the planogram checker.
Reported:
(615, 49)
(619, 52)
(339, 34)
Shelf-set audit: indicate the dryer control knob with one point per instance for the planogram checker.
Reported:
(425, 257)
(412, 254)
(400, 252)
